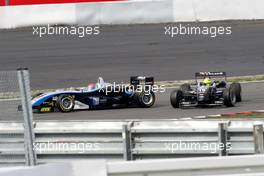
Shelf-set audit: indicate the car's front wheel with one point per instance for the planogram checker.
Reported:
(65, 103)
(176, 97)
(229, 97)
(237, 88)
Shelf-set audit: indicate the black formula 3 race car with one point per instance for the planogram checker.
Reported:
(209, 89)
(98, 95)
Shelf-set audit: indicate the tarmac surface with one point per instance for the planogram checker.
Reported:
(119, 52)
(253, 99)
(122, 51)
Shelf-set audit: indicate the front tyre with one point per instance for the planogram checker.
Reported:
(176, 97)
(65, 103)
(237, 88)
(229, 97)
(145, 99)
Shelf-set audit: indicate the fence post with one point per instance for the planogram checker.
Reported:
(127, 144)
(222, 136)
(258, 138)
(29, 136)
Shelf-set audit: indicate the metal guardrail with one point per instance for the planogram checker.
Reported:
(12, 148)
(102, 140)
(151, 138)
(57, 141)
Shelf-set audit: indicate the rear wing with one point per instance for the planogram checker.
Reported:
(210, 74)
(141, 80)
(202, 75)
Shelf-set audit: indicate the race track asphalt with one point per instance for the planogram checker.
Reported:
(122, 51)
(253, 99)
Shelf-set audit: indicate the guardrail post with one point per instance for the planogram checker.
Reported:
(258, 138)
(127, 144)
(222, 136)
(29, 136)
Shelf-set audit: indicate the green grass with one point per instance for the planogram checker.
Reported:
(247, 78)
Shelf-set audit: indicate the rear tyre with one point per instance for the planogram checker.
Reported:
(145, 99)
(229, 97)
(175, 98)
(185, 87)
(237, 88)
(65, 103)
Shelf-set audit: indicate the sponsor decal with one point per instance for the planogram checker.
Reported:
(45, 109)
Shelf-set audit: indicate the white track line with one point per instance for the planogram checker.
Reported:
(12, 99)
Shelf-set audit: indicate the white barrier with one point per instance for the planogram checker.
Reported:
(43, 170)
(134, 11)
(208, 10)
(221, 166)
(21, 16)
(127, 12)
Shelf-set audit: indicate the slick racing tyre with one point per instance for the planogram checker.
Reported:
(229, 97)
(185, 87)
(145, 100)
(237, 88)
(176, 97)
(65, 103)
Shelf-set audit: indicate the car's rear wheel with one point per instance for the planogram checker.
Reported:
(145, 99)
(229, 97)
(237, 88)
(176, 97)
(65, 103)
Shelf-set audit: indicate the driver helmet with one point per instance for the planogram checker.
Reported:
(207, 81)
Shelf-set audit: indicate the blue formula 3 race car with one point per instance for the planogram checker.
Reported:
(98, 95)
